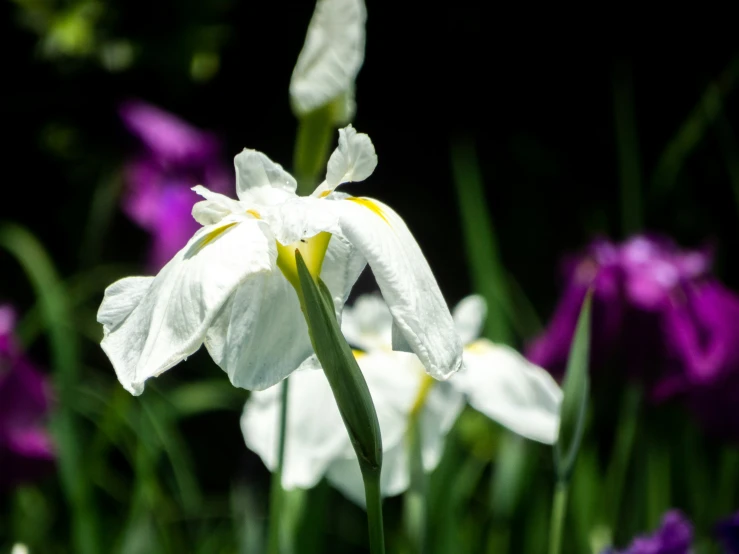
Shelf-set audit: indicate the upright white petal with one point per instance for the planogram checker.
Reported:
(469, 317)
(259, 180)
(367, 323)
(353, 160)
(315, 437)
(173, 314)
(330, 59)
(215, 207)
(300, 217)
(406, 282)
(506, 387)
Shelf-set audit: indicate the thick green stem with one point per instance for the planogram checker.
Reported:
(557, 522)
(276, 493)
(374, 509)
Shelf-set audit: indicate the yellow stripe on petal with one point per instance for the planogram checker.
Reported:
(254, 213)
(211, 236)
(427, 382)
(370, 205)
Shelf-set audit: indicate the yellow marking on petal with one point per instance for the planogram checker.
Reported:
(325, 193)
(211, 236)
(254, 213)
(370, 205)
(427, 382)
(477, 347)
(358, 354)
(312, 249)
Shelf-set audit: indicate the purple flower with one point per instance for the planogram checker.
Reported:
(26, 450)
(633, 284)
(675, 536)
(175, 157)
(727, 531)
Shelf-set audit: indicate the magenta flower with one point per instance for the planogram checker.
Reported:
(175, 157)
(675, 536)
(633, 284)
(26, 450)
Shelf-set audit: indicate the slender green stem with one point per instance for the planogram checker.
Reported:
(728, 479)
(620, 459)
(414, 500)
(374, 509)
(276, 493)
(312, 146)
(559, 507)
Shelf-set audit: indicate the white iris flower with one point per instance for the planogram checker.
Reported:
(330, 60)
(230, 286)
(496, 380)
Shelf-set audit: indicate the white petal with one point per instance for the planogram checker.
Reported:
(172, 316)
(315, 437)
(260, 336)
(504, 386)
(299, 218)
(331, 57)
(354, 159)
(215, 206)
(440, 411)
(120, 300)
(406, 282)
(344, 474)
(469, 317)
(342, 266)
(367, 323)
(259, 180)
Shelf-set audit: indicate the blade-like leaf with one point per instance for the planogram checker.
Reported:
(575, 388)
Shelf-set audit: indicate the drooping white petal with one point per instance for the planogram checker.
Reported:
(330, 59)
(469, 317)
(315, 437)
(120, 300)
(259, 180)
(405, 279)
(503, 385)
(173, 315)
(215, 206)
(342, 266)
(260, 335)
(353, 160)
(367, 323)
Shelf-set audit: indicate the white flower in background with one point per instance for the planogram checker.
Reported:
(19, 548)
(330, 59)
(230, 286)
(496, 380)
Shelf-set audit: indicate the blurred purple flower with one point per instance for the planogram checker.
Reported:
(675, 536)
(175, 157)
(659, 315)
(727, 531)
(26, 450)
(633, 284)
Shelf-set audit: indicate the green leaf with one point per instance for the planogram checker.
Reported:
(342, 371)
(63, 340)
(575, 388)
(481, 243)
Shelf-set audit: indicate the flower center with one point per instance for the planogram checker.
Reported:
(312, 249)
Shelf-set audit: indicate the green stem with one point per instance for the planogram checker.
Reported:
(556, 527)
(414, 500)
(374, 509)
(728, 479)
(312, 145)
(276, 493)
